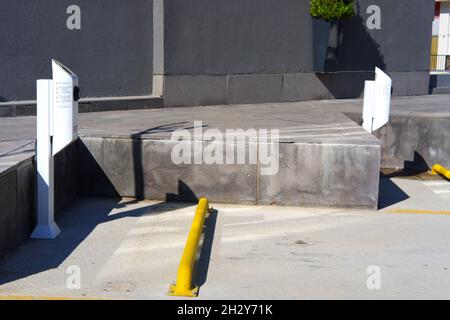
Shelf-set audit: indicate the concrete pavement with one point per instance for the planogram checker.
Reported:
(412, 117)
(131, 250)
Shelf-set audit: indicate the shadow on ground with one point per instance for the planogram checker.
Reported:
(389, 193)
(202, 267)
(76, 223)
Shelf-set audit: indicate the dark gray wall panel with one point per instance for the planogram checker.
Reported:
(112, 53)
(402, 44)
(236, 36)
(276, 36)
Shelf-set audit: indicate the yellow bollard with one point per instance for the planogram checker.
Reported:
(183, 286)
(438, 169)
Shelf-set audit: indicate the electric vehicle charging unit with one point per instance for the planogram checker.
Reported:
(57, 127)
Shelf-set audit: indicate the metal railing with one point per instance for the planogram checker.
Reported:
(439, 62)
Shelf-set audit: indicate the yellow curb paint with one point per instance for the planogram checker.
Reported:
(25, 297)
(412, 211)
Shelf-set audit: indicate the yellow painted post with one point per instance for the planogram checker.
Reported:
(438, 169)
(184, 287)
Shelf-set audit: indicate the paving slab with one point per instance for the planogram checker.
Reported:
(130, 250)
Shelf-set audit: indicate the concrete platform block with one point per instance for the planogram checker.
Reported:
(18, 192)
(163, 179)
(324, 175)
(106, 167)
(66, 176)
(26, 200)
(415, 142)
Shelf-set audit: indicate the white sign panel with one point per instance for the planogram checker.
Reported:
(377, 101)
(64, 126)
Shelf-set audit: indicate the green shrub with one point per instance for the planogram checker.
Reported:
(332, 10)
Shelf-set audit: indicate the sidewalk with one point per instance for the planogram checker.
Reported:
(131, 250)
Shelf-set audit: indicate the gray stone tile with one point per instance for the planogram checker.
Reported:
(145, 104)
(303, 86)
(194, 90)
(254, 88)
(399, 83)
(344, 85)
(5, 112)
(418, 83)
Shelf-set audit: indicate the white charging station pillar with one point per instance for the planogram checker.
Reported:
(57, 127)
(46, 227)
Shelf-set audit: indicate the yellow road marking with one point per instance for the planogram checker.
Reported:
(412, 211)
(17, 297)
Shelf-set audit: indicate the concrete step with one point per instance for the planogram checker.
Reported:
(325, 159)
(28, 108)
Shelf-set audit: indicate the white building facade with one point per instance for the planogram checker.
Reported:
(440, 52)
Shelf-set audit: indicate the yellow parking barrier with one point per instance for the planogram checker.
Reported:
(438, 169)
(183, 287)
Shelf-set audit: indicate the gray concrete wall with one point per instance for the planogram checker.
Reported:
(276, 36)
(112, 53)
(18, 196)
(208, 48)
(121, 42)
(413, 142)
(16, 205)
(310, 174)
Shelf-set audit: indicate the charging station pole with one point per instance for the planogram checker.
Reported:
(46, 227)
(57, 126)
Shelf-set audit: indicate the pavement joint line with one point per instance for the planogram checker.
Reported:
(413, 211)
